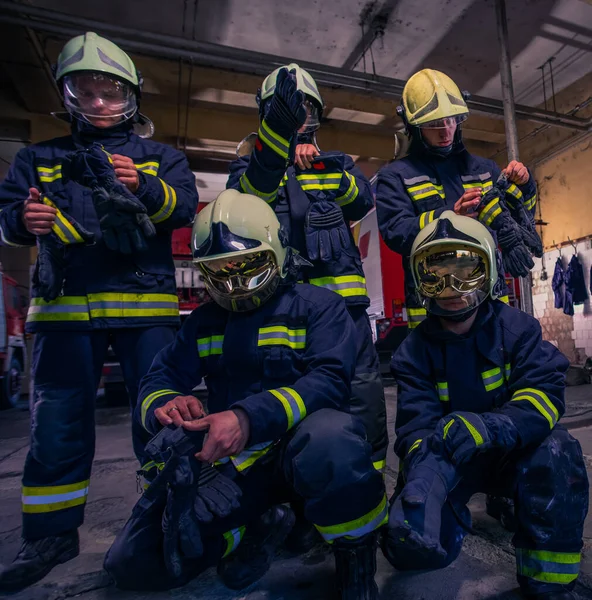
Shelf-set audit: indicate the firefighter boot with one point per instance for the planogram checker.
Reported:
(355, 562)
(252, 559)
(36, 559)
(304, 535)
(502, 509)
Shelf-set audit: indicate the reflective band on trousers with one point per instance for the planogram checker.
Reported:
(358, 527)
(64, 308)
(233, 539)
(492, 379)
(168, 206)
(208, 346)
(120, 305)
(548, 566)
(279, 335)
(292, 403)
(540, 401)
(344, 285)
(44, 499)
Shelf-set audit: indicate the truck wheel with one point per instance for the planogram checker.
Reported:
(12, 384)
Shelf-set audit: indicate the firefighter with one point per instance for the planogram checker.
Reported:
(104, 276)
(315, 194)
(438, 174)
(278, 359)
(479, 398)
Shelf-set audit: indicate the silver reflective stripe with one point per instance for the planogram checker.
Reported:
(96, 304)
(475, 178)
(419, 179)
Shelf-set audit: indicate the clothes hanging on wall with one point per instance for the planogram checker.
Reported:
(558, 282)
(575, 285)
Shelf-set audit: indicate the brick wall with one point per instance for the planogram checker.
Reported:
(572, 335)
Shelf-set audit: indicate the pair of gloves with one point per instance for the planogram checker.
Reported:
(431, 472)
(515, 229)
(123, 219)
(326, 231)
(195, 494)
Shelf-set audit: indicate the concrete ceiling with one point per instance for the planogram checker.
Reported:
(391, 38)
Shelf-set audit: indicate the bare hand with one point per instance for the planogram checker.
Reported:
(228, 433)
(38, 217)
(304, 155)
(179, 410)
(467, 203)
(126, 172)
(517, 173)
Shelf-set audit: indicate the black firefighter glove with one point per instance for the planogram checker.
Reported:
(52, 247)
(123, 218)
(326, 231)
(285, 112)
(494, 214)
(526, 223)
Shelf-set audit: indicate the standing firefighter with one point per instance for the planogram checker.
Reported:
(440, 174)
(479, 398)
(100, 204)
(278, 359)
(314, 195)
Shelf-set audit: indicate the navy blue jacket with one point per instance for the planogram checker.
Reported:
(293, 356)
(103, 288)
(502, 364)
(415, 190)
(266, 173)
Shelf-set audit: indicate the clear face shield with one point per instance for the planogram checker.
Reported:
(98, 99)
(444, 123)
(313, 121)
(453, 282)
(241, 283)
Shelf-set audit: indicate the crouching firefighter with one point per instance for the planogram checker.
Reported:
(480, 395)
(101, 205)
(278, 359)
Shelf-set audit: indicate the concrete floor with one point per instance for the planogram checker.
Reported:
(484, 571)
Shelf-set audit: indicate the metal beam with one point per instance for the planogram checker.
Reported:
(242, 61)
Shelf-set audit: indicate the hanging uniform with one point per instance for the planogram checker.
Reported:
(502, 365)
(558, 282)
(333, 179)
(575, 286)
(417, 189)
(288, 366)
(128, 301)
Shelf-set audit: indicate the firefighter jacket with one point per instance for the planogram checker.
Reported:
(279, 363)
(266, 173)
(502, 364)
(415, 190)
(575, 285)
(102, 288)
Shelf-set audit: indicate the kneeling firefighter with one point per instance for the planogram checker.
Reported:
(101, 205)
(278, 359)
(479, 398)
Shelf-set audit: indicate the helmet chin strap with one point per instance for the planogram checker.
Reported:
(462, 317)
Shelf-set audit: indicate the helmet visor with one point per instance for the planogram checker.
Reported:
(313, 121)
(453, 281)
(98, 96)
(444, 123)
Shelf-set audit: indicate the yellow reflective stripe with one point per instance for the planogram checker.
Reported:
(63, 308)
(147, 402)
(492, 379)
(344, 285)
(248, 457)
(548, 566)
(447, 427)
(443, 391)
(284, 180)
(152, 465)
(490, 212)
(318, 177)
(437, 189)
(415, 445)
(62, 224)
(505, 299)
(352, 191)
(320, 186)
(425, 218)
(507, 370)
(534, 396)
(233, 539)
(415, 316)
(562, 578)
(45, 499)
(168, 206)
(150, 168)
(276, 142)
(208, 346)
(49, 174)
(292, 403)
(476, 435)
(529, 204)
(248, 188)
(357, 527)
(485, 185)
(515, 191)
(278, 335)
(379, 465)
(123, 305)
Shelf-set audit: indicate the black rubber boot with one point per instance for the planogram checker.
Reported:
(355, 563)
(303, 537)
(252, 559)
(502, 509)
(36, 559)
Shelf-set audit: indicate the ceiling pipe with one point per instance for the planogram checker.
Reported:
(253, 63)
